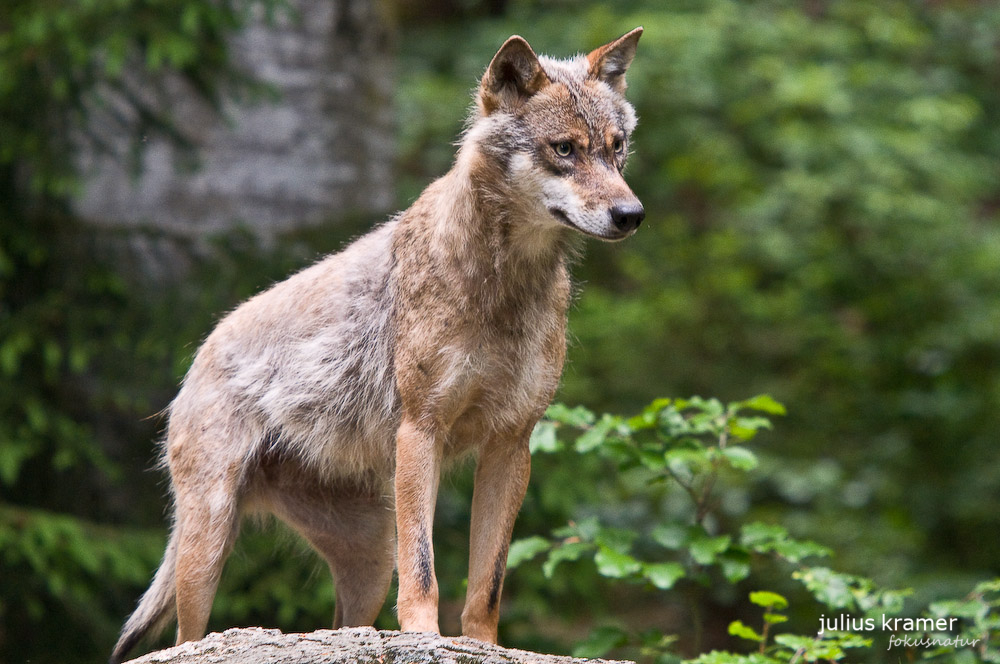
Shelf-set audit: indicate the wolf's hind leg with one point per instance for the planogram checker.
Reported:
(207, 529)
(354, 531)
(362, 559)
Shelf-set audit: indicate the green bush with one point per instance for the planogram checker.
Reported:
(84, 352)
(700, 449)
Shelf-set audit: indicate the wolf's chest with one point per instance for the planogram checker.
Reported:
(502, 385)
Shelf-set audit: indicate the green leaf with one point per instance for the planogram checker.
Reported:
(737, 628)
(971, 609)
(618, 539)
(13, 454)
(710, 407)
(768, 600)
(745, 428)
(526, 549)
(543, 438)
(658, 404)
(735, 564)
(740, 458)
(642, 421)
(687, 461)
(829, 587)
(614, 564)
(600, 641)
(652, 458)
(586, 529)
(12, 349)
(566, 552)
(767, 538)
(704, 549)
(764, 403)
(757, 534)
(578, 417)
(595, 436)
(191, 19)
(590, 439)
(991, 586)
(671, 535)
(663, 575)
(796, 550)
(830, 647)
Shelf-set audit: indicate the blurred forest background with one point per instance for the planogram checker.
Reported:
(822, 188)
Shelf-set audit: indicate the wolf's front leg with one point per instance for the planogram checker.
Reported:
(418, 470)
(501, 480)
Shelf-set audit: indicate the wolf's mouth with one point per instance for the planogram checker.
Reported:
(564, 219)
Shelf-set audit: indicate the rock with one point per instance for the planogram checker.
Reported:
(360, 645)
(323, 149)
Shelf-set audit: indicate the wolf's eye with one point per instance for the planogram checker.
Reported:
(563, 149)
(618, 146)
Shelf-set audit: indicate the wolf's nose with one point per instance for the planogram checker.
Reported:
(627, 217)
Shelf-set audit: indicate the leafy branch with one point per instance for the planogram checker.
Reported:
(692, 444)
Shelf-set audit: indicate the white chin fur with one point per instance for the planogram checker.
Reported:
(593, 224)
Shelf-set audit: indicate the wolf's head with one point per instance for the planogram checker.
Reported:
(561, 129)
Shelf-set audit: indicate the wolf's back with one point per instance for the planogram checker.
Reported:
(308, 364)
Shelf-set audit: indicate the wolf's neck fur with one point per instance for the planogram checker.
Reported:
(503, 239)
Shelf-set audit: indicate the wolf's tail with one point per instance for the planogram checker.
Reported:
(156, 608)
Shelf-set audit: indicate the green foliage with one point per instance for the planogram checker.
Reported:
(846, 591)
(692, 547)
(83, 355)
(980, 614)
(821, 196)
(687, 442)
(53, 563)
(825, 235)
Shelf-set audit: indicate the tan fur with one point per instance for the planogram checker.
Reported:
(334, 399)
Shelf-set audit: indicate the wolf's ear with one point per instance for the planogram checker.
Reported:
(514, 75)
(610, 62)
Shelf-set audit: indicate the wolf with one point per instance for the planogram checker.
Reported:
(334, 399)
